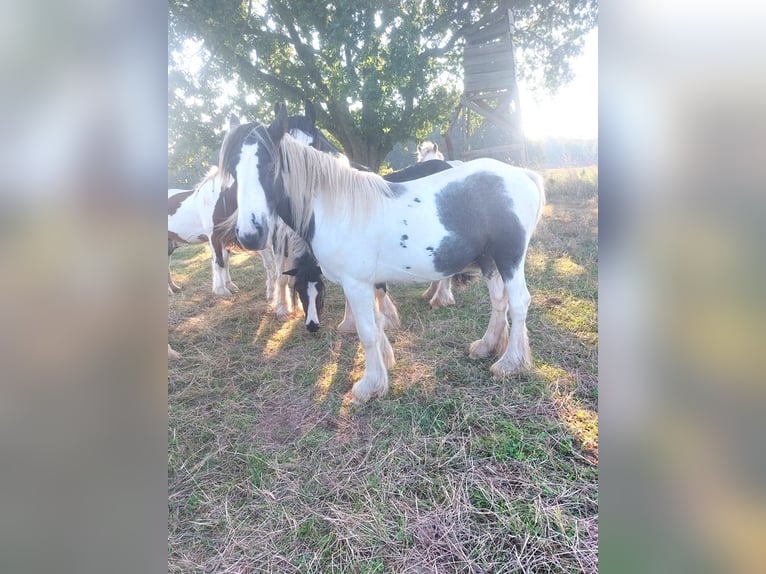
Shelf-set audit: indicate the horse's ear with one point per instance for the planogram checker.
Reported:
(436, 147)
(278, 127)
(418, 148)
(233, 120)
(310, 111)
(292, 272)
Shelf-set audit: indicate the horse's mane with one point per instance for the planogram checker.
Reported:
(312, 174)
(304, 124)
(231, 148)
(211, 173)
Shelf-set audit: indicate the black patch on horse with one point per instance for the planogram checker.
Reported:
(478, 213)
(418, 170)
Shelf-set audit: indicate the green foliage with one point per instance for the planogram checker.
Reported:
(382, 72)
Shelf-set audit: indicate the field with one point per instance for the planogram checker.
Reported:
(270, 469)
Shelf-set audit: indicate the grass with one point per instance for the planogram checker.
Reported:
(271, 470)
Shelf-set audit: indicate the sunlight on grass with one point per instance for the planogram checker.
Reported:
(239, 257)
(202, 255)
(577, 316)
(277, 340)
(452, 466)
(536, 261)
(564, 266)
(262, 326)
(327, 374)
(582, 423)
(197, 323)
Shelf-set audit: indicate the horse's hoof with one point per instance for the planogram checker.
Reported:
(283, 317)
(232, 287)
(222, 292)
(478, 350)
(504, 370)
(174, 289)
(439, 302)
(429, 293)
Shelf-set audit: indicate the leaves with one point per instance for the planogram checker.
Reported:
(381, 71)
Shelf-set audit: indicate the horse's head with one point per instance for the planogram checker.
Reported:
(429, 150)
(310, 289)
(252, 161)
(303, 129)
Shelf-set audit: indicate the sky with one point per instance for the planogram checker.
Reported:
(573, 112)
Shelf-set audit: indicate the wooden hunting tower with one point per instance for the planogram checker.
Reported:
(487, 121)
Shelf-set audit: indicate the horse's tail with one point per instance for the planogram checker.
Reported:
(539, 182)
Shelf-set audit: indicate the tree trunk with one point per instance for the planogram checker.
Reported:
(369, 154)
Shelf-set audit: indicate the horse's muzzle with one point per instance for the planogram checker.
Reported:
(254, 240)
(312, 326)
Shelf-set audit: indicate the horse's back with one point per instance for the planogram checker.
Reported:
(480, 191)
(190, 212)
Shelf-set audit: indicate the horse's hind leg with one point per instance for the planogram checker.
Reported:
(495, 340)
(517, 357)
(347, 325)
(387, 308)
(429, 293)
(442, 295)
(172, 287)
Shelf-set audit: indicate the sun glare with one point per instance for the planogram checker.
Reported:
(573, 111)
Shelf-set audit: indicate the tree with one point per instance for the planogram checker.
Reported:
(379, 71)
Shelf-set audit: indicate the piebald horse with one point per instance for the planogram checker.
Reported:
(304, 129)
(193, 218)
(364, 230)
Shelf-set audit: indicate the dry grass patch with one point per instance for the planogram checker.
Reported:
(271, 470)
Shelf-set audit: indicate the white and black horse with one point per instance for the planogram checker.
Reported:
(295, 266)
(364, 230)
(291, 270)
(304, 129)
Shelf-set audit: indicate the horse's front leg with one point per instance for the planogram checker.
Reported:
(270, 266)
(230, 285)
(378, 354)
(219, 272)
(172, 287)
(282, 300)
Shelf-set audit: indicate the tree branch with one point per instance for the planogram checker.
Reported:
(305, 53)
